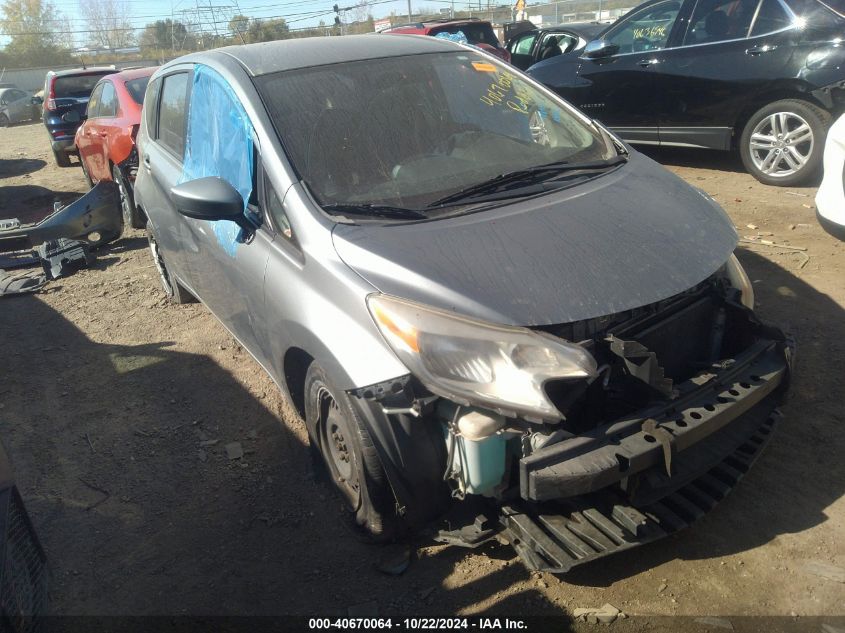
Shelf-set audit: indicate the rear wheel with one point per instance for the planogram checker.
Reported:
(62, 159)
(127, 200)
(172, 289)
(782, 144)
(350, 456)
(4, 120)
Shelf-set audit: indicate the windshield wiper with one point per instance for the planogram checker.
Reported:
(375, 210)
(527, 176)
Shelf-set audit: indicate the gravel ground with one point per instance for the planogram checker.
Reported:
(116, 408)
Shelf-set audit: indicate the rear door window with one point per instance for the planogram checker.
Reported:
(720, 21)
(172, 113)
(108, 101)
(523, 44)
(771, 17)
(94, 102)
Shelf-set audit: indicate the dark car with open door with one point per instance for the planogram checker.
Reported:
(531, 44)
(764, 77)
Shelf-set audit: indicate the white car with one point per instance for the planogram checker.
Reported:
(830, 199)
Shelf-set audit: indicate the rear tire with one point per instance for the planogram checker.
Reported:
(783, 143)
(350, 456)
(62, 159)
(4, 120)
(127, 200)
(172, 289)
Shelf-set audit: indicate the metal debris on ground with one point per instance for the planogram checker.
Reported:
(61, 256)
(20, 282)
(606, 614)
(18, 259)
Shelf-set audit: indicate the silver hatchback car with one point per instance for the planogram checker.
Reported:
(485, 307)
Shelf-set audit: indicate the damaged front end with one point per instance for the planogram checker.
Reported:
(654, 419)
(94, 219)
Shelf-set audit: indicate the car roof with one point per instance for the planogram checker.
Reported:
(94, 70)
(280, 55)
(133, 73)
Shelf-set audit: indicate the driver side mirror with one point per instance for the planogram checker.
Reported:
(37, 101)
(210, 198)
(600, 48)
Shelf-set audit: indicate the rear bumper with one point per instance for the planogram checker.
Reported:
(617, 451)
(63, 145)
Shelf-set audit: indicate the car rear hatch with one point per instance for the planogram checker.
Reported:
(67, 94)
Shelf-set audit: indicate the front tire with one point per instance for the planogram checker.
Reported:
(172, 289)
(782, 144)
(349, 456)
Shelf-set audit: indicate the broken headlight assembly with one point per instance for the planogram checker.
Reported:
(499, 367)
(739, 279)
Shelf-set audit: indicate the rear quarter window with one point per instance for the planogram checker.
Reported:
(136, 89)
(150, 105)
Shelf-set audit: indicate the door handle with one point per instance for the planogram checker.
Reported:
(645, 63)
(759, 50)
(147, 163)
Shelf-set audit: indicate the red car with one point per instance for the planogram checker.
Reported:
(106, 140)
(479, 33)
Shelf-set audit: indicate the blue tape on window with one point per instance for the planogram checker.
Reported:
(219, 142)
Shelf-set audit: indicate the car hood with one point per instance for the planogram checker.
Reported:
(623, 240)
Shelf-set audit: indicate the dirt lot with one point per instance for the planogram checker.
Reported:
(115, 407)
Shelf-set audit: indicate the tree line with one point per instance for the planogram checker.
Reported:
(39, 35)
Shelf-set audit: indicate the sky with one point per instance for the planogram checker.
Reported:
(297, 13)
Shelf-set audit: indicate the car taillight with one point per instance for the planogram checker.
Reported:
(50, 102)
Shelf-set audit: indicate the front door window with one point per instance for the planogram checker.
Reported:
(647, 29)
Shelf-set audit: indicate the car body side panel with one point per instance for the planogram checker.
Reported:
(711, 84)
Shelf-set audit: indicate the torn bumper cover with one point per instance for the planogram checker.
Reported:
(95, 218)
(641, 478)
(608, 454)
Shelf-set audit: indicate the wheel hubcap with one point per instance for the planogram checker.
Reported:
(781, 144)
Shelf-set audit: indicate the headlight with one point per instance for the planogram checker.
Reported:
(740, 281)
(500, 367)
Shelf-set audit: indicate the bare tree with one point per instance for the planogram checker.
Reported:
(109, 19)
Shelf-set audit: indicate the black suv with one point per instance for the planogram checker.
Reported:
(762, 76)
(66, 95)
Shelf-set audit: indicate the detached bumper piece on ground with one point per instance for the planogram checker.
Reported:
(95, 219)
(23, 573)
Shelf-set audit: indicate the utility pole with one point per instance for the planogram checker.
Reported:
(409, 11)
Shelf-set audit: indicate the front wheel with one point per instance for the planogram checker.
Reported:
(172, 289)
(350, 456)
(782, 144)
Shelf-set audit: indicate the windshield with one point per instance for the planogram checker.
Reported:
(77, 86)
(409, 131)
(136, 89)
